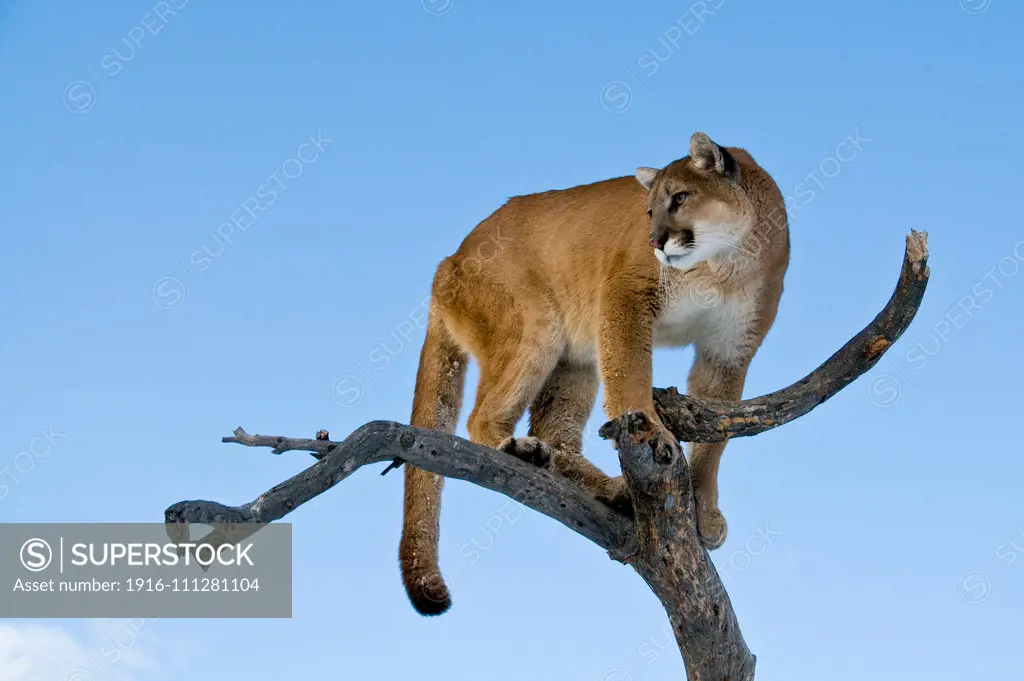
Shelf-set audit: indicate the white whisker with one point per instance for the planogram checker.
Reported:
(726, 240)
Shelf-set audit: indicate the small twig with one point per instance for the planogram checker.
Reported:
(397, 463)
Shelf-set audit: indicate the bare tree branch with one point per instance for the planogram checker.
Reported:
(695, 420)
(430, 450)
(661, 540)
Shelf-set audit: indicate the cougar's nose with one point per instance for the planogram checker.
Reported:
(659, 241)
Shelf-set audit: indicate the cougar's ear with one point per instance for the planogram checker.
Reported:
(706, 155)
(645, 176)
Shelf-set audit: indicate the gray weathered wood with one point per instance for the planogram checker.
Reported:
(668, 554)
(451, 456)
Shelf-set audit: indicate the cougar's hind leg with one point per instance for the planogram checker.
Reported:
(711, 378)
(558, 417)
(510, 379)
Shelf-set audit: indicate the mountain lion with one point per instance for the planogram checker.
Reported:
(577, 286)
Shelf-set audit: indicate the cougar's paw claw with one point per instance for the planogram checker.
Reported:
(666, 447)
(529, 449)
(712, 528)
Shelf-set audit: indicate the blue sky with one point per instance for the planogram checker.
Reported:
(876, 533)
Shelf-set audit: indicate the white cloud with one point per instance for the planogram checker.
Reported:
(109, 650)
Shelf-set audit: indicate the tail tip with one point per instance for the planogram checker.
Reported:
(431, 607)
(429, 595)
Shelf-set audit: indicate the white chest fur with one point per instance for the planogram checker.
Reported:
(700, 314)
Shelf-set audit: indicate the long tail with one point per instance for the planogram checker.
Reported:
(439, 383)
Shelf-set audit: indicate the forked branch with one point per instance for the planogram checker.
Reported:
(660, 541)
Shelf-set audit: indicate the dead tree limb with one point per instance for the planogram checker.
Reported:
(660, 540)
(695, 420)
(451, 456)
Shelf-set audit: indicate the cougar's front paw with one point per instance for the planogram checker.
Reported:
(529, 449)
(712, 527)
(615, 493)
(666, 447)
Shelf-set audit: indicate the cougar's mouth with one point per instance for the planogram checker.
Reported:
(674, 259)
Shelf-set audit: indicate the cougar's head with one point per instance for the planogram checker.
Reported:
(696, 205)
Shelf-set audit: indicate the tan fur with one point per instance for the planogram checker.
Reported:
(558, 290)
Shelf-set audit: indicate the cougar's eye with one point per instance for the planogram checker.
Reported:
(650, 213)
(677, 200)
